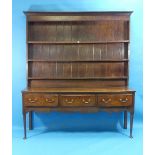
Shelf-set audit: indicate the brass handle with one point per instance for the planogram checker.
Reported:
(86, 102)
(106, 101)
(32, 101)
(123, 100)
(69, 101)
(50, 101)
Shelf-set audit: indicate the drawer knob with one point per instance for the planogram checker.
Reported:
(106, 101)
(50, 101)
(123, 100)
(69, 101)
(32, 100)
(86, 102)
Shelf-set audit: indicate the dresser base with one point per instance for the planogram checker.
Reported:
(78, 100)
(30, 110)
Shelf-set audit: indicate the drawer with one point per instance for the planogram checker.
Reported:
(108, 100)
(78, 100)
(36, 99)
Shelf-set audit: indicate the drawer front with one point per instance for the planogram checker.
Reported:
(77, 100)
(35, 99)
(108, 100)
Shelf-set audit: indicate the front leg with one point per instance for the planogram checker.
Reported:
(131, 123)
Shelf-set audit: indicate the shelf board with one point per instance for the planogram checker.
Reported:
(80, 78)
(76, 61)
(78, 42)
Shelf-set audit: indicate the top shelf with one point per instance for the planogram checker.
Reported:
(77, 42)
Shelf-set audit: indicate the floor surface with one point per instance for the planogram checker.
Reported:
(46, 142)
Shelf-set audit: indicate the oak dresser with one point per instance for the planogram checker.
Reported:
(78, 61)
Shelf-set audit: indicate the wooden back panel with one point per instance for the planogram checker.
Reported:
(70, 52)
(78, 31)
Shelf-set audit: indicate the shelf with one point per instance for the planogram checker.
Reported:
(76, 61)
(80, 78)
(78, 42)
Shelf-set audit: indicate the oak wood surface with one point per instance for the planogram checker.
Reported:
(84, 90)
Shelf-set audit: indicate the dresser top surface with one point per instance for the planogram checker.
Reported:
(76, 12)
(80, 90)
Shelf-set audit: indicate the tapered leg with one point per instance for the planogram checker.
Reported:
(125, 119)
(30, 121)
(24, 121)
(131, 123)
